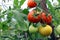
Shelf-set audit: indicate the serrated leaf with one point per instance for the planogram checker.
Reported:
(21, 2)
(19, 17)
(16, 3)
(4, 26)
(51, 8)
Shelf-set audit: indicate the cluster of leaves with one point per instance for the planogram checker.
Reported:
(15, 24)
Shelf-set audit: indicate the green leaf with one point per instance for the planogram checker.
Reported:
(16, 3)
(9, 16)
(51, 8)
(4, 12)
(53, 12)
(21, 2)
(58, 1)
(0, 25)
(25, 11)
(4, 26)
(52, 0)
(20, 20)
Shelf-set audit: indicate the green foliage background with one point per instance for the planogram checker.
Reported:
(16, 25)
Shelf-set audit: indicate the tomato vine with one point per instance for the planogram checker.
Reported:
(22, 24)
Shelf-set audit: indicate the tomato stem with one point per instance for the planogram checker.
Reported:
(29, 35)
(53, 37)
(43, 5)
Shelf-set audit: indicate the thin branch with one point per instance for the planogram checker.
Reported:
(43, 5)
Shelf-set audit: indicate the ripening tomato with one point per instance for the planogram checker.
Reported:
(49, 19)
(31, 3)
(45, 31)
(43, 17)
(32, 17)
(46, 19)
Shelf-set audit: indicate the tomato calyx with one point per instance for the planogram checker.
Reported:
(43, 25)
(35, 15)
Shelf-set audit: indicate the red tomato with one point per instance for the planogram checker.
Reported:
(33, 18)
(43, 17)
(49, 19)
(31, 3)
(46, 19)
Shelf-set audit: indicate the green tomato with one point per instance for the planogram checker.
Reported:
(58, 29)
(33, 29)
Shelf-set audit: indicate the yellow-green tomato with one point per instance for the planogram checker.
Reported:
(58, 29)
(33, 29)
(45, 31)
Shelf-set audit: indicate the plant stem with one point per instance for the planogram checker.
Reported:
(29, 35)
(44, 7)
(53, 37)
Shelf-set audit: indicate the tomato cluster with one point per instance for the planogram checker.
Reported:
(41, 17)
(36, 16)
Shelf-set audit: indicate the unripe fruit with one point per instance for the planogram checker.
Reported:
(32, 29)
(45, 31)
(58, 29)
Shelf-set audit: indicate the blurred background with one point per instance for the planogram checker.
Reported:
(6, 3)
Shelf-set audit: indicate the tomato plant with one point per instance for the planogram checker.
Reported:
(15, 23)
